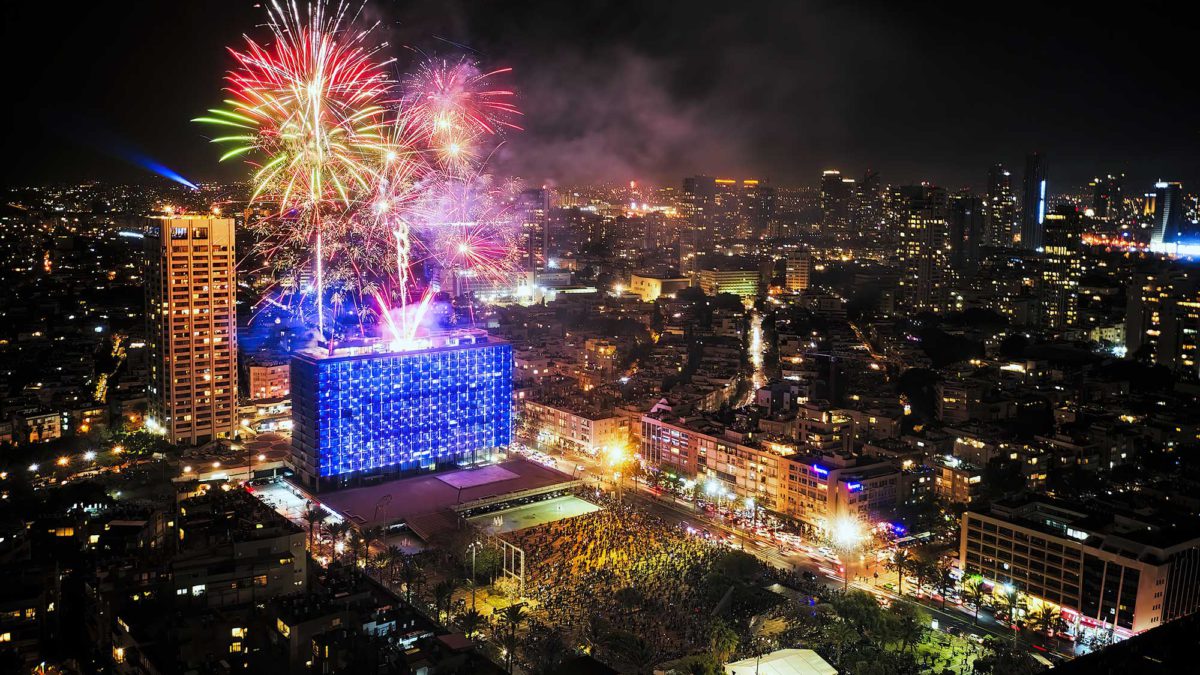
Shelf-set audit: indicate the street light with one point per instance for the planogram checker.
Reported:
(474, 546)
(846, 534)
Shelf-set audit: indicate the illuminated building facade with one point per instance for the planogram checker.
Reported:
(813, 489)
(649, 287)
(191, 327)
(699, 208)
(743, 282)
(1062, 269)
(797, 270)
(533, 206)
(267, 380)
(837, 194)
(1173, 231)
(1001, 217)
(1162, 320)
(577, 430)
(1108, 569)
(924, 250)
(372, 410)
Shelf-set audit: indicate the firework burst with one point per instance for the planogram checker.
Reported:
(368, 176)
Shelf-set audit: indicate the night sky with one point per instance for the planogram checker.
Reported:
(656, 90)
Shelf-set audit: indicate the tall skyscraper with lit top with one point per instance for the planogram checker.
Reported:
(191, 327)
(379, 410)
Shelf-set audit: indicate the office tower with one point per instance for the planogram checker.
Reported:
(191, 327)
(1001, 217)
(533, 208)
(699, 204)
(868, 203)
(924, 251)
(379, 410)
(798, 266)
(1168, 221)
(726, 223)
(741, 280)
(836, 193)
(1132, 570)
(1033, 202)
(966, 218)
(1162, 319)
(1061, 270)
(1107, 201)
(757, 208)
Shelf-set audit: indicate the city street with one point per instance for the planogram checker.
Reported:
(956, 617)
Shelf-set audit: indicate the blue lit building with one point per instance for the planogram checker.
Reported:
(378, 411)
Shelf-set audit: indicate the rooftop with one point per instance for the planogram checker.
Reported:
(355, 349)
(404, 499)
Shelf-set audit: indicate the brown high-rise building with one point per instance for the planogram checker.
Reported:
(192, 327)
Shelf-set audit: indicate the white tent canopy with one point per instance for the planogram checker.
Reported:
(783, 662)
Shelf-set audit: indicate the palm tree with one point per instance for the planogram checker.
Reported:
(1014, 601)
(358, 549)
(372, 534)
(312, 515)
(442, 592)
(923, 569)
(944, 581)
(900, 564)
(722, 641)
(1044, 619)
(628, 598)
(393, 555)
(471, 621)
(974, 595)
(508, 648)
(547, 655)
(513, 616)
(635, 650)
(337, 532)
(840, 636)
(411, 573)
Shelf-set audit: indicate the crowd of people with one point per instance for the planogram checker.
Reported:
(624, 564)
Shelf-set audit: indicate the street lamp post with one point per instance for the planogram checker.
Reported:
(474, 548)
(846, 535)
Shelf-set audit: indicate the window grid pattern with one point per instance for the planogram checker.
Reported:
(411, 411)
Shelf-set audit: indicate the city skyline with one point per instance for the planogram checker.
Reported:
(537, 339)
(779, 102)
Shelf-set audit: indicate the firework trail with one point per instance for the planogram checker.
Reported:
(306, 111)
(368, 175)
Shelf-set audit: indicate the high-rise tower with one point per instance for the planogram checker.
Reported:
(1033, 202)
(192, 327)
(966, 216)
(924, 250)
(836, 198)
(1061, 270)
(1001, 217)
(1168, 213)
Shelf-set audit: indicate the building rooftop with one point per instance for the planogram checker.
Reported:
(358, 349)
(1104, 525)
(405, 499)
